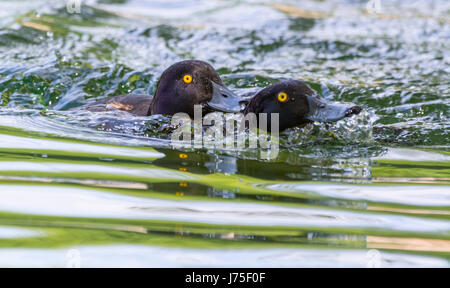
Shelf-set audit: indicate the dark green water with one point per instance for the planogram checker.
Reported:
(109, 186)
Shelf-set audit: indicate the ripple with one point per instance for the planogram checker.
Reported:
(148, 256)
(14, 233)
(411, 155)
(73, 202)
(15, 142)
(149, 173)
(410, 194)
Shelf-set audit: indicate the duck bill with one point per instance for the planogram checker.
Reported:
(324, 111)
(224, 100)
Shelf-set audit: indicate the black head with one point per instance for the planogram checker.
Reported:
(297, 104)
(189, 83)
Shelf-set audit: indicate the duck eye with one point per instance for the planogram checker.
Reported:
(282, 97)
(187, 78)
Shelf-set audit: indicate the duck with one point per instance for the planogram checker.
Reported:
(180, 87)
(297, 105)
(195, 82)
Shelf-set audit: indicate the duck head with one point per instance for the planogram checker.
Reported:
(297, 104)
(189, 83)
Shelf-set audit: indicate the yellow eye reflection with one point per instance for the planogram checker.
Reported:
(187, 78)
(282, 97)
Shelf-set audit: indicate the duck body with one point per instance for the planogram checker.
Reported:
(136, 104)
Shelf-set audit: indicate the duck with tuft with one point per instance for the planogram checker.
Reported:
(180, 87)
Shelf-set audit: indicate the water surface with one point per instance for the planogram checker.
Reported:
(106, 189)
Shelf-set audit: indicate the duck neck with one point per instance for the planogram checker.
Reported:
(170, 105)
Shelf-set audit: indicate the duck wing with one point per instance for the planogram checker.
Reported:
(136, 104)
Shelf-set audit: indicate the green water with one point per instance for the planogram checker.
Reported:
(110, 186)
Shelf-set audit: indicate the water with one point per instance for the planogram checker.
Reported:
(106, 189)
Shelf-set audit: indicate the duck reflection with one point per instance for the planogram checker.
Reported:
(283, 169)
(287, 166)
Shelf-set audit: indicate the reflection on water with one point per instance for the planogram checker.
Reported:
(110, 186)
(13, 232)
(139, 256)
(223, 202)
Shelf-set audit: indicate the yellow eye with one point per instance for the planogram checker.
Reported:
(282, 97)
(187, 78)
